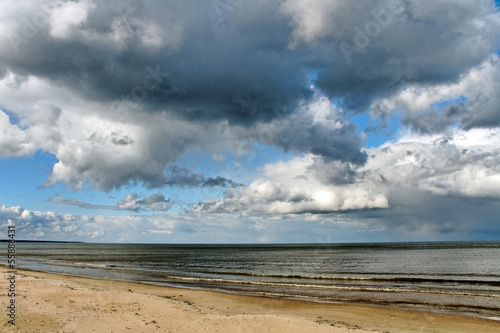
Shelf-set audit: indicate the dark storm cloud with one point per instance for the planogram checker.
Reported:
(483, 110)
(177, 76)
(415, 215)
(229, 60)
(371, 50)
(320, 139)
(471, 102)
(168, 55)
(317, 127)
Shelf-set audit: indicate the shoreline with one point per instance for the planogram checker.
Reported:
(55, 302)
(432, 308)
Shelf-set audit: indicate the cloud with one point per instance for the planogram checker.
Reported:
(298, 187)
(470, 102)
(182, 177)
(316, 127)
(373, 50)
(117, 92)
(172, 228)
(453, 223)
(110, 151)
(155, 202)
(39, 225)
(95, 148)
(30, 133)
(78, 203)
(165, 54)
(65, 17)
(461, 165)
(158, 228)
(175, 57)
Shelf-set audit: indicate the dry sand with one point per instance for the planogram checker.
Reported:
(56, 303)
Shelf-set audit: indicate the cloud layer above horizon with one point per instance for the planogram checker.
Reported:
(120, 92)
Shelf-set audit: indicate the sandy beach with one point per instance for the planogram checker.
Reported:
(57, 303)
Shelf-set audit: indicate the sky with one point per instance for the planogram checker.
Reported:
(238, 121)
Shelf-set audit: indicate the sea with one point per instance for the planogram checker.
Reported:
(452, 277)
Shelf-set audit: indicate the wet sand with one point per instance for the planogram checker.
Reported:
(56, 303)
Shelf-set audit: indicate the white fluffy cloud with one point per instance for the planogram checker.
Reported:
(461, 163)
(107, 145)
(470, 102)
(299, 186)
(66, 16)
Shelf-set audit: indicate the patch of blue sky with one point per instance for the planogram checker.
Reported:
(373, 137)
(270, 155)
(313, 74)
(441, 105)
(22, 180)
(239, 168)
(375, 132)
(205, 163)
(13, 117)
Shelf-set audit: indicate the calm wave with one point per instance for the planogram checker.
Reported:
(457, 277)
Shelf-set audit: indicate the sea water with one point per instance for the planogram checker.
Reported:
(457, 277)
